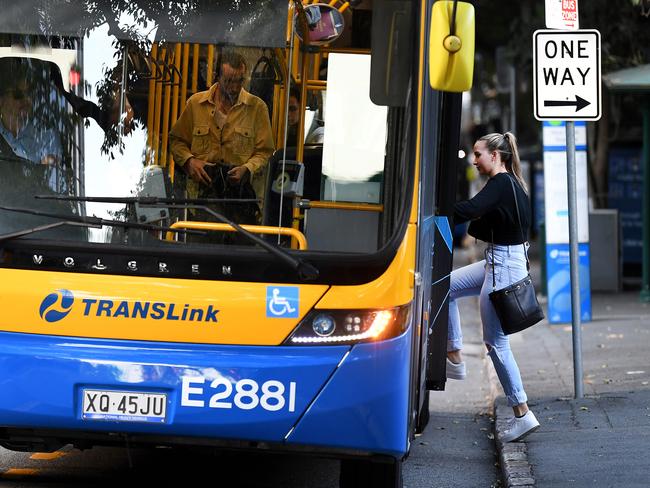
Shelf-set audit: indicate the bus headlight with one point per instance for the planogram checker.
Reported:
(350, 326)
(324, 325)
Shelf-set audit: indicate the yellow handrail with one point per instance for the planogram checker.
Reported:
(366, 207)
(255, 229)
(344, 50)
(342, 8)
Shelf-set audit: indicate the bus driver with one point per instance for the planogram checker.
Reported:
(24, 134)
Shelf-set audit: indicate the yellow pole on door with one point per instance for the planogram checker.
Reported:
(195, 69)
(156, 130)
(210, 68)
(186, 66)
(151, 101)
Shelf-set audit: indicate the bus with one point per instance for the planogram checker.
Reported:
(306, 314)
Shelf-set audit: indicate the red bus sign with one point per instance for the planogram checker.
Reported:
(562, 14)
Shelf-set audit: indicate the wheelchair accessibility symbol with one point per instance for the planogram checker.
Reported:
(282, 301)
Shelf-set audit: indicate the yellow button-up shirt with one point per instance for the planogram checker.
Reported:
(245, 138)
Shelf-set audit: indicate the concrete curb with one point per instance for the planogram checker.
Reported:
(513, 456)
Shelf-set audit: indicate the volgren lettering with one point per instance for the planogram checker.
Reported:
(148, 310)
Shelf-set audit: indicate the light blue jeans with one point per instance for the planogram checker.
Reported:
(476, 279)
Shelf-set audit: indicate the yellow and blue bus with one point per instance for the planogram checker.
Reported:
(306, 315)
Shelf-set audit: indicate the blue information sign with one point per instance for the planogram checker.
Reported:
(559, 282)
(558, 265)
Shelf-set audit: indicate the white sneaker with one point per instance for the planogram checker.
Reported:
(518, 428)
(456, 371)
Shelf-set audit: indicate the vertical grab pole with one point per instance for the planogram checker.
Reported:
(157, 117)
(166, 111)
(184, 73)
(175, 99)
(195, 68)
(176, 81)
(151, 101)
(574, 259)
(210, 67)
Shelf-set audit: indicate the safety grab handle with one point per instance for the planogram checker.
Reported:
(255, 229)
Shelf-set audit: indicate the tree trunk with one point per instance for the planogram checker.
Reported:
(599, 162)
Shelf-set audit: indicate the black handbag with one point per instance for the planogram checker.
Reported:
(516, 305)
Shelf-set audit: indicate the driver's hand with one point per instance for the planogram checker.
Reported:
(237, 174)
(195, 169)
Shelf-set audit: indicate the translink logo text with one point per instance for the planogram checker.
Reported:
(57, 305)
(151, 310)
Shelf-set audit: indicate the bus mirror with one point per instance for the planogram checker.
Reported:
(451, 46)
(392, 52)
(324, 23)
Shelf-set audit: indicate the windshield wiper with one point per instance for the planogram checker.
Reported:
(148, 200)
(24, 232)
(305, 270)
(84, 221)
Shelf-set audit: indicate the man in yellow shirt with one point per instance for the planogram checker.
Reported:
(224, 126)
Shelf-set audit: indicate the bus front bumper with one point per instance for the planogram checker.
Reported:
(329, 398)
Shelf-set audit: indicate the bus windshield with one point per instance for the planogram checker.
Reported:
(170, 121)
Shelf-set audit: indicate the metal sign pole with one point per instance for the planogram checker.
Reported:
(573, 246)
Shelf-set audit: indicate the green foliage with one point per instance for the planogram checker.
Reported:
(625, 33)
(134, 24)
(624, 29)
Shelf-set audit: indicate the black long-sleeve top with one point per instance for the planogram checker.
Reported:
(492, 211)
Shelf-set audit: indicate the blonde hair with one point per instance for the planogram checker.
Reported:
(506, 146)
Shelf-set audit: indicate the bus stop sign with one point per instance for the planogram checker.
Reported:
(567, 74)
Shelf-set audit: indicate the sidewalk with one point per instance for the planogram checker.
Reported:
(603, 439)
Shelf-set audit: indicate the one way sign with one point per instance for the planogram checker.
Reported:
(567, 74)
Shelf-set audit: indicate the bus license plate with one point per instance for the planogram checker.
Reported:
(123, 406)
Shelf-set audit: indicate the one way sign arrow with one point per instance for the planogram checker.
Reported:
(567, 63)
(580, 103)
